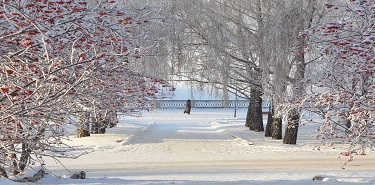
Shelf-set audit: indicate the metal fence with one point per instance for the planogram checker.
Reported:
(169, 104)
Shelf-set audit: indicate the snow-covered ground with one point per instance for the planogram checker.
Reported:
(208, 146)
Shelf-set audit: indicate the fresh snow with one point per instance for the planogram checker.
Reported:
(208, 146)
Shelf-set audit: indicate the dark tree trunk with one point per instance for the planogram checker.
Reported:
(3, 173)
(100, 124)
(25, 155)
(277, 128)
(254, 117)
(103, 125)
(95, 127)
(113, 120)
(291, 130)
(81, 132)
(14, 164)
(268, 132)
(99, 127)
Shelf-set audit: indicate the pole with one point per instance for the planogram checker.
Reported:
(235, 105)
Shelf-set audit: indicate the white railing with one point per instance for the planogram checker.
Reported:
(168, 104)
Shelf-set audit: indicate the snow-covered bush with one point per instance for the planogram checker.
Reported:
(60, 59)
(342, 91)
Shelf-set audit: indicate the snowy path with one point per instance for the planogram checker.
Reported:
(204, 146)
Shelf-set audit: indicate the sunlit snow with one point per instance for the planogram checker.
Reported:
(208, 146)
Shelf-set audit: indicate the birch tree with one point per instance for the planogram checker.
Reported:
(282, 65)
(219, 48)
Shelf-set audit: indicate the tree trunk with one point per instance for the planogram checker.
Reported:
(3, 173)
(103, 125)
(95, 127)
(81, 132)
(14, 164)
(96, 124)
(25, 155)
(254, 117)
(84, 130)
(277, 128)
(247, 123)
(113, 120)
(294, 114)
(292, 127)
(268, 132)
